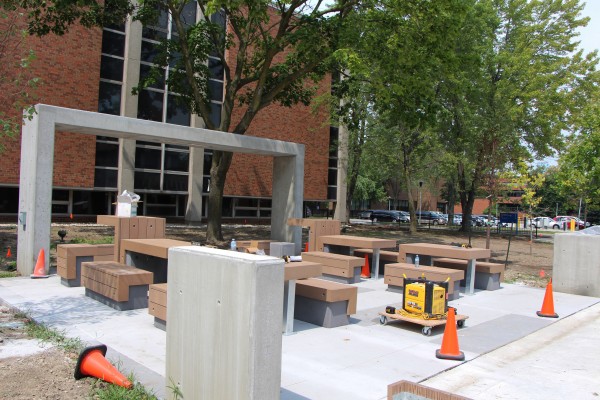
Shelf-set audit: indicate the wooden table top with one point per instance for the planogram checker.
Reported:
(444, 250)
(151, 247)
(358, 241)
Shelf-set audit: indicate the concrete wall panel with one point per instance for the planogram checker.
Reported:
(576, 265)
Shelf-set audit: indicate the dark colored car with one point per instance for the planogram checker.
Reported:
(431, 217)
(389, 216)
(365, 214)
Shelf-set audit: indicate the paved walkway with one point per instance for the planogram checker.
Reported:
(510, 351)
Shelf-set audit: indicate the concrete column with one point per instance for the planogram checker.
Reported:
(341, 212)
(224, 311)
(35, 191)
(129, 103)
(288, 191)
(576, 265)
(193, 211)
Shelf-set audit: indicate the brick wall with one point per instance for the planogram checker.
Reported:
(69, 68)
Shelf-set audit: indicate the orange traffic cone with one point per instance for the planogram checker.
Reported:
(71, 216)
(449, 350)
(366, 271)
(92, 363)
(40, 269)
(548, 304)
(306, 247)
(542, 273)
(8, 253)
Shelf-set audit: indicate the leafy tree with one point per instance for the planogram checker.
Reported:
(519, 86)
(278, 52)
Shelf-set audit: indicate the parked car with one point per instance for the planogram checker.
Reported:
(431, 217)
(560, 220)
(389, 216)
(542, 222)
(365, 214)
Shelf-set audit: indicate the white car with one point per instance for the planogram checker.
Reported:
(543, 222)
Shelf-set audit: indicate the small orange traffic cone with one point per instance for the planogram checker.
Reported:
(8, 253)
(306, 247)
(92, 363)
(548, 304)
(366, 271)
(40, 269)
(71, 216)
(449, 350)
(542, 273)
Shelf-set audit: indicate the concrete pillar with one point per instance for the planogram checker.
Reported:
(341, 212)
(129, 103)
(193, 211)
(576, 264)
(288, 191)
(224, 311)
(35, 191)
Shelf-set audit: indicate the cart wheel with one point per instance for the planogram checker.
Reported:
(426, 331)
(460, 323)
(383, 320)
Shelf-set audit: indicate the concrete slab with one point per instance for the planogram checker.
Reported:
(510, 352)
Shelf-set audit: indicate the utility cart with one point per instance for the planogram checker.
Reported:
(427, 324)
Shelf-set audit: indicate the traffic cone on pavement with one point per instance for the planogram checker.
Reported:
(306, 247)
(8, 253)
(449, 350)
(92, 363)
(40, 268)
(548, 304)
(366, 271)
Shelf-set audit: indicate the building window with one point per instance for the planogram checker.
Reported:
(111, 69)
(161, 167)
(333, 164)
(107, 162)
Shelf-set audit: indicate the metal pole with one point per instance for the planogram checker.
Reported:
(420, 186)
(579, 213)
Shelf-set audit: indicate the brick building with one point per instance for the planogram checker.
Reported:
(94, 70)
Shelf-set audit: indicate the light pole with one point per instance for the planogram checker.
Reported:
(420, 186)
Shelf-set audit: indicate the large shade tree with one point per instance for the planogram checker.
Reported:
(520, 85)
(281, 50)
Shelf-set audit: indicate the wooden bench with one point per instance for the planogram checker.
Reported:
(157, 304)
(394, 276)
(70, 256)
(117, 285)
(324, 303)
(488, 275)
(253, 245)
(337, 267)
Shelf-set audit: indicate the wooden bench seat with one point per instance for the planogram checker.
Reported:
(119, 286)
(70, 256)
(157, 304)
(337, 267)
(488, 275)
(325, 303)
(394, 276)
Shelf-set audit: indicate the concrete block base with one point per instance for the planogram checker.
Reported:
(138, 298)
(160, 323)
(280, 249)
(485, 281)
(317, 312)
(76, 282)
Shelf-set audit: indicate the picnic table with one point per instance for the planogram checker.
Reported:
(149, 254)
(352, 242)
(428, 251)
(294, 271)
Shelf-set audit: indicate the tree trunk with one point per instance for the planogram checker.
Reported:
(218, 173)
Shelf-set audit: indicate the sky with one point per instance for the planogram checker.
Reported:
(590, 35)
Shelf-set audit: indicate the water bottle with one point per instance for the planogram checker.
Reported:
(233, 245)
(417, 261)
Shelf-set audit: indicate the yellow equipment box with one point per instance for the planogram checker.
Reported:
(424, 297)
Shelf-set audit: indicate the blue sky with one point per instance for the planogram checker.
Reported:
(590, 35)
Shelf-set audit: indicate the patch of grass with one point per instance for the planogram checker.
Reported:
(54, 336)
(106, 391)
(8, 274)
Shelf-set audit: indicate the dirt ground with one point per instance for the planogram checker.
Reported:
(47, 372)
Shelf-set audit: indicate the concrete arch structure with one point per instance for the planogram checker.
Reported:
(37, 158)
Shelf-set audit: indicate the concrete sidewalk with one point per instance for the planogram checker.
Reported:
(510, 351)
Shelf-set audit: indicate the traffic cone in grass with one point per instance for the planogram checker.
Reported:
(366, 271)
(8, 253)
(40, 266)
(449, 350)
(548, 305)
(92, 363)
